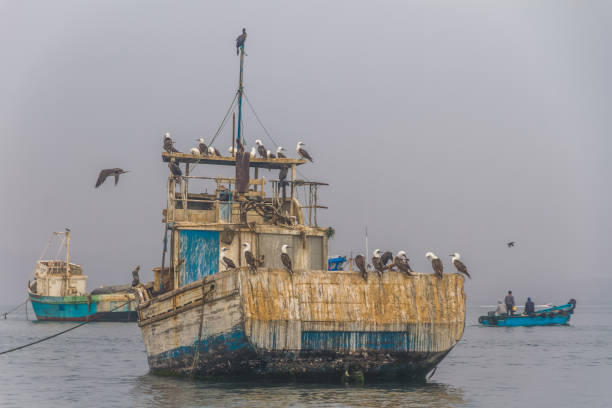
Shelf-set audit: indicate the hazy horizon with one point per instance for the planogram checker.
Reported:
(442, 127)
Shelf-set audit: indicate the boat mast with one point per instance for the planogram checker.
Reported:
(67, 251)
(240, 92)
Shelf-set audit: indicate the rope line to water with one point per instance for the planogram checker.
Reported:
(61, 332)
(15, 308)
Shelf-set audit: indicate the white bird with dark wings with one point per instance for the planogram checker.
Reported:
(286, 259)
(304, 155)
(229, 264)
(436, 264)
(248, 256)
(460, 266)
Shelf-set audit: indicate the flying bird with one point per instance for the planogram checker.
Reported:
(213, 151)
(304, 155)
(229, 264)
(436, 263)
(286, 259)
(248, 256)
(253, 152)
(261, 149)
(169, 144)
(360, 262)
(175, 169)
(376, 262)
(202, 146)
(279, 152)
(109, 172)
(401, 261)
(510, 244)
(460, 266)
(386, 257)
(240, 40)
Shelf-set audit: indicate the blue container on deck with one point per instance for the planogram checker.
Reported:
(336, 264)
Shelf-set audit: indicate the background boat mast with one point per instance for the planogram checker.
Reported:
(240, 91)
(67, 251)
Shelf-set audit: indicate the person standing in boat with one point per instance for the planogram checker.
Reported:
(529, 307)
(509, 300)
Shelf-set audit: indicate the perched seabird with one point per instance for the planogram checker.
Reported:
(213, 151)
(386, 257)
(511, 244)
(253, 152)
(169, 144)
(261, 149)
(175, 169)
(270, 155)
(286, 259)
(401, 261)
(436, 263)
(194, 150)
(240, 40)
(229, 264)
(378, 265)
(302, 152)
(248, 256)
(135, 277)
(109, 172)
(360, 262)
(231, 150)
(202, 146)
(279, 152)
(460, 266)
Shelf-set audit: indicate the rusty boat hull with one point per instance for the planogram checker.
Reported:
(314, 326)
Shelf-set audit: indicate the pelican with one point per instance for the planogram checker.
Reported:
(360, 262)
(213, 151)
(240, 40)
(109, 172)
(202, 146)
(436, 263)
(169, 144)
(401, 261)
(302, 152)
(378, 265)
(261, 149)
(248, 256)
(229, 264)
(460, 266)
(385, 258)
(286, 259)
(175, 169)
(279, 152)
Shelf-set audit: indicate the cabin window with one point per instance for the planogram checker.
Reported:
(199, 252)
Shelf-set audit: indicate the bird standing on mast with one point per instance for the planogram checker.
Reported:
(169, 144)
(304, 155)
(279, 152)
(261, 149)
(175, 169)
(240, 41)
(109, 172)
(202, 146)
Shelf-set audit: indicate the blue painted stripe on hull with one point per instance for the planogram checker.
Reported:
(63, 309)
(356, 340)
(529, 321)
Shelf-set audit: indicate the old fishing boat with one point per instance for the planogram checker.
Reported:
(58, 292)
(545, 317)
(254, 317)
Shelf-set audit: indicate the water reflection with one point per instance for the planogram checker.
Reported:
(152, 390)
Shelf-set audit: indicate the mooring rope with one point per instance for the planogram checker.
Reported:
(15, 308)
(61, 332)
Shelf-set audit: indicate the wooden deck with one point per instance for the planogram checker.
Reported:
(231, 161)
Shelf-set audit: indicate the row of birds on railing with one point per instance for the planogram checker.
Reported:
(382, 261)
(203, 150)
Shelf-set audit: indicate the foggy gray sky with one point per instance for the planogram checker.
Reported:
(442, 125)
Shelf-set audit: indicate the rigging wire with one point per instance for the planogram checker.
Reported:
(224, 122)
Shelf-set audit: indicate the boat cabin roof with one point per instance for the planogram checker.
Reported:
(230, 160)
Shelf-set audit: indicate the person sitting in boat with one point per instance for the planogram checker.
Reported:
(529, 307)
(509, 300)
(500, 308)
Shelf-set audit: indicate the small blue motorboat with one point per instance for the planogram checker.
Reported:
(555, 315)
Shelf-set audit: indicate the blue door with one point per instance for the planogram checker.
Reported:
(200, 250)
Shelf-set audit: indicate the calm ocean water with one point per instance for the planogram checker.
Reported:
(104, 365)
